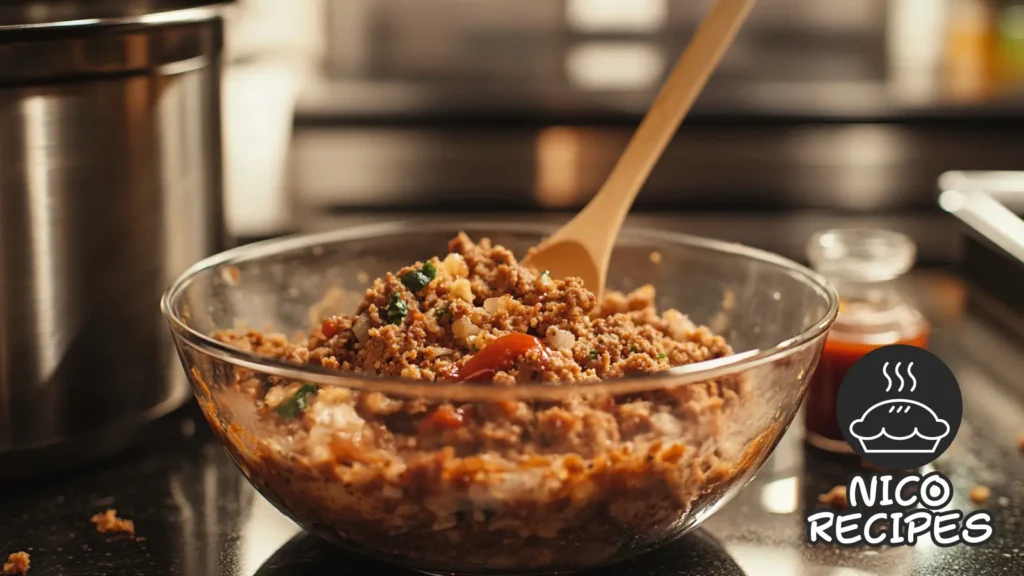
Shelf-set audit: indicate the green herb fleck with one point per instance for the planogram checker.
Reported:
(593, 354)
(295, 405)
(417, 280)
(397, 309)
(441, 312)
(429, 270)
(633, 348)
(661, 356)
(545, 275)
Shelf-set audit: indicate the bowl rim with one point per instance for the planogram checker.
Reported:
(696, 372)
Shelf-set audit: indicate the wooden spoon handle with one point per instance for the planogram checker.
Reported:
(674, 100)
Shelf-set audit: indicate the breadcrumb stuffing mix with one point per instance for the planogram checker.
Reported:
(424, 320)
(506, 484)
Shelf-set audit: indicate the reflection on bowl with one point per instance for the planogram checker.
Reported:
(696, 553)
(674, 446)
(308, 555)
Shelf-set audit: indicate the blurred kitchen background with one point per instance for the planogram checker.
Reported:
(823, 112)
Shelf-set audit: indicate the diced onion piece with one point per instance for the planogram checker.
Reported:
(277, 394)
(498, 305)
(463, 328)
(335, 418)
(455, 266)
(561, 339)
(361, 328)
(436, 352)
(462, 290)
(334, 395)
(379, 404)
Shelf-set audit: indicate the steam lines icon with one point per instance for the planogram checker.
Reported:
(910, 373)
(899, 425)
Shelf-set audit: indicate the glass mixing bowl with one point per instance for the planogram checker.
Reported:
(699, 434)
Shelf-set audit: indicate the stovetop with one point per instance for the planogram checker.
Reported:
(200, 517)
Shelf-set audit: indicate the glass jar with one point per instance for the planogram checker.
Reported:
(864, 265)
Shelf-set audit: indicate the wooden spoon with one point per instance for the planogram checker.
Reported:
(583, 247)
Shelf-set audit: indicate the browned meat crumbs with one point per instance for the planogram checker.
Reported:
(980, 494)
(503, 484)
(424, 321)
(17, 563)
(109, 523)
(836, 497)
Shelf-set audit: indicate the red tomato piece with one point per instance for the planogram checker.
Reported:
(445, 418)
(329, 327)
(498, 355)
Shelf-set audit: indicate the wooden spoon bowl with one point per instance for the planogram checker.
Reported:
(583, 247)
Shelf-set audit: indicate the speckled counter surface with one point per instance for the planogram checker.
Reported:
(199, 516)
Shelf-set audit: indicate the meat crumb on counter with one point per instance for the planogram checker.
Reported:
(836, 497)
(980, 494)
(109, 523)
(17, 563)
(655, 257)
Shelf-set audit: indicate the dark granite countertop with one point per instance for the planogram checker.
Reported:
(199, 516)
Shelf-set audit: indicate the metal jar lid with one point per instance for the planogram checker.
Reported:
(60, 40)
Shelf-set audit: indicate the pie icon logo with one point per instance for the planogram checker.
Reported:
(900, 407)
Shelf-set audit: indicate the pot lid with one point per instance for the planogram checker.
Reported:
(52, 15)
(43, 41)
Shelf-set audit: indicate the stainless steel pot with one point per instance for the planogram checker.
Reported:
(110, 185)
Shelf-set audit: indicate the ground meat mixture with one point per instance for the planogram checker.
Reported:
(489, 485)
(17, 563)
(109, 523)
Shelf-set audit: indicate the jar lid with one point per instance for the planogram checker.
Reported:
(861, 254)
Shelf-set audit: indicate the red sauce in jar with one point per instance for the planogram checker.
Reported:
(864, 264)
(838, 356)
